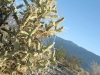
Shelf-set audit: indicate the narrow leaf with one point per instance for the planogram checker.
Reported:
(58, 21)
(24, 32)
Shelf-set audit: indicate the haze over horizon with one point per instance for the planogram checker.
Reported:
(82, 23)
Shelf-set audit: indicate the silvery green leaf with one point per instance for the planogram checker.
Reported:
(24, 32)
(29, 42)
(60, 29)
(34, 30)
(58, 21)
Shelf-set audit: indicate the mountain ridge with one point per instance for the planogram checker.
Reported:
(82, 53)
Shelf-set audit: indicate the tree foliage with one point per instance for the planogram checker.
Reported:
(61, 53)
(70, 61)
(95, 68)
(20, 48)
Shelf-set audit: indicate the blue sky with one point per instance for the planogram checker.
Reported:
(82, 22)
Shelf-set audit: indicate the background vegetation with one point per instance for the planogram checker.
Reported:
(95, 68)
(70, 61)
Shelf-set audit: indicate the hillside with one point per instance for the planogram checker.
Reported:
(86, 56)
(60, 70)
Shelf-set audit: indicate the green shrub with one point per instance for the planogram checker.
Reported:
(61, 53)
(70, 61)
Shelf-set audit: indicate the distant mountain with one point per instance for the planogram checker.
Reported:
(86, 56)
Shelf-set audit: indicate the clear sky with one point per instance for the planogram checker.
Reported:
(82, 22)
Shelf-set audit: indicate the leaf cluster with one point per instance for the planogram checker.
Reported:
(20, 48)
